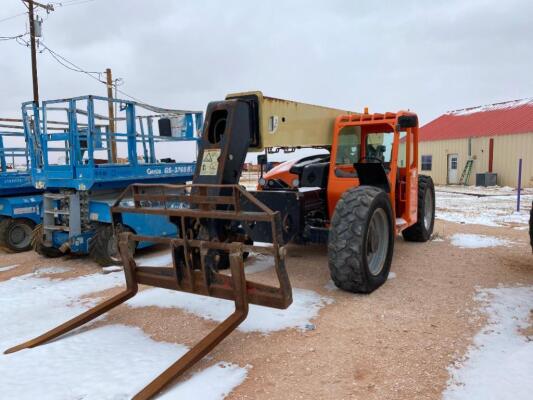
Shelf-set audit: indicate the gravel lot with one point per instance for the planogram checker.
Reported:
(397, 343)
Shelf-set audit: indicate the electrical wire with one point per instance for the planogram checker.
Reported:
(117, 82)
(71, 66)
(13, 16)
(68, 3)
(2, 38)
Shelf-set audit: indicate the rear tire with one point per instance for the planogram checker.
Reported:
(103, 247)
(361, 240)
(423, 229)
(38, 245)
(531, 227)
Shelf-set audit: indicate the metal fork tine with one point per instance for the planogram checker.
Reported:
(212, 339)
(185, 275)
(89, 315)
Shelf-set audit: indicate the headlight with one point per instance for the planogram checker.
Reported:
(262, 181)
(295, 182)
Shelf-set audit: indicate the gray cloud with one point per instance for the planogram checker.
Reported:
(426, 56)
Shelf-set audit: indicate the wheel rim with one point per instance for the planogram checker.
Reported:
(377, 241)
(20, 236)
(428, 210)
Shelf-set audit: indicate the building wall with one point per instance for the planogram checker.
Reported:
(507, 150)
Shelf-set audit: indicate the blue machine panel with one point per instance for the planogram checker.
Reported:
(22, 207)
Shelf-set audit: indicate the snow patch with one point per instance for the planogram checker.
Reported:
(500, 363)
(30, 305)
(51, 270)
(472, 241)
(258, 263)
(495, 210)
(115, 362)
(112, 268)
(493, 107)
(215, 382)
(157, 260)
(8, 267)
(305, 307)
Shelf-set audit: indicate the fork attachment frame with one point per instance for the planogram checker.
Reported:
(196, 209)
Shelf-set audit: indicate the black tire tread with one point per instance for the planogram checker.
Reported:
(531, 227)
(99, 245)
(4, 223)
(38, 245)
(346, 237)
(418, 232)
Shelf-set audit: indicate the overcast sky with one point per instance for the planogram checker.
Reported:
(427, 56)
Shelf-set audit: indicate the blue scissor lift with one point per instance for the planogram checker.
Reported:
(20, 202)
(82, 178)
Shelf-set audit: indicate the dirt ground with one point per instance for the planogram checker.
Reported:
(396, 343)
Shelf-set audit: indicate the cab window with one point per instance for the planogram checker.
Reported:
(348, 151)
(379, 147)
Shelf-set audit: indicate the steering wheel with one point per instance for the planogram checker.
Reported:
(365, 158)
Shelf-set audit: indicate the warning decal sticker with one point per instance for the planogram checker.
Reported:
(210, 162)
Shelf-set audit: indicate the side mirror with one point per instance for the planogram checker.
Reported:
(261, 159)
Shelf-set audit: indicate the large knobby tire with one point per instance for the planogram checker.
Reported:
(423, 229)
(531, 227)
(38, 245)
(361, 240)
(103, 247)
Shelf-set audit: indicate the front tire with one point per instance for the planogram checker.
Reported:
(103, 247)
(423, 229)
(361, 240)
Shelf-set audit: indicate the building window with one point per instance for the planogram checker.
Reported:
(426, 163)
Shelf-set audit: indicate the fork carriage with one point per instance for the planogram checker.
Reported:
(196, 258)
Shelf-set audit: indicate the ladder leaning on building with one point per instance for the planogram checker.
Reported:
(467, 171)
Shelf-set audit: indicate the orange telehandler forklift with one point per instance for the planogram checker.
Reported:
(357, 199)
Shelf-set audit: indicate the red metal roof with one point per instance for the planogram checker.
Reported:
(507, 118)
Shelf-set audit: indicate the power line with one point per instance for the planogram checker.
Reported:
(13, 16)
(12, 37)
(96, 75)
(73, 67)
(68, 3)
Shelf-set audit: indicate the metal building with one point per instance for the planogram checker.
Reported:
(460, 144)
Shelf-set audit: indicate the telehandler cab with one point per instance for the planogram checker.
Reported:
(356, 200)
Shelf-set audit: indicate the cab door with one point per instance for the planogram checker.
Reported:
(345, 152)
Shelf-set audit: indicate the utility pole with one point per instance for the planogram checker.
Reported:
(111, 111)
(48, 8)
(33, 54)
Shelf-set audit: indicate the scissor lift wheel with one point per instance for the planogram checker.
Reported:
(15, 234)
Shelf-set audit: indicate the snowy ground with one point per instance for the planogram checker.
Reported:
(421, 335)
(473, 241)
(492, 206)
(115, 360)
(500, 363)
